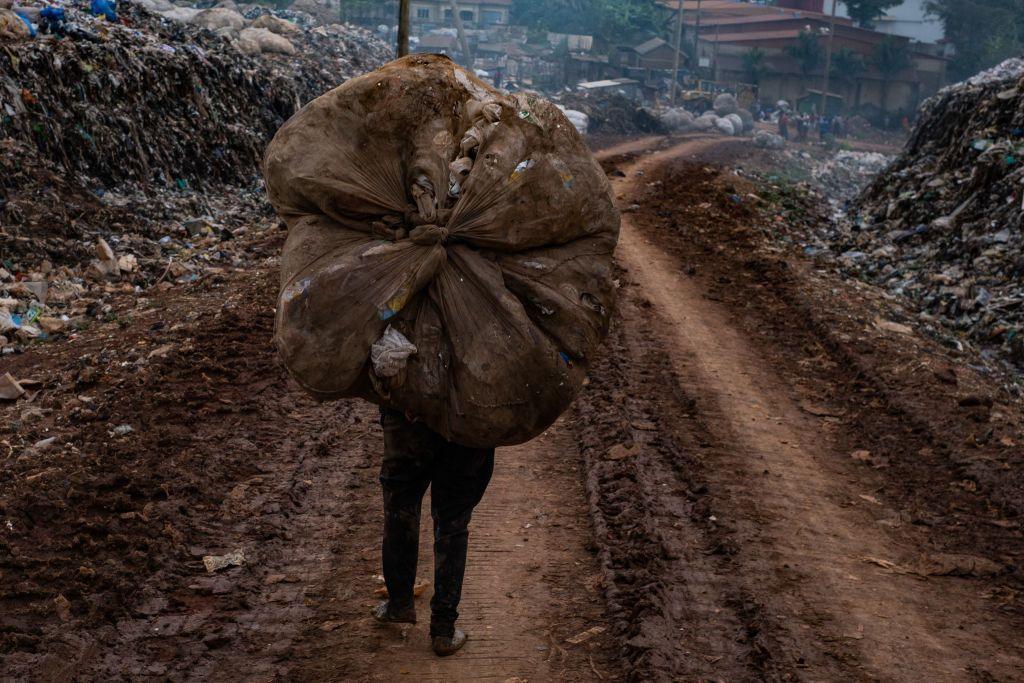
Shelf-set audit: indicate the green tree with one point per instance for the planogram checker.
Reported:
(847, 67)
(984, 32)
(891, 57)
(807, 52)
(609, 21)
(864, 12)
(755, 65)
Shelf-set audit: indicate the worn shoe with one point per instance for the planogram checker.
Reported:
(448, 646)
(385, 615)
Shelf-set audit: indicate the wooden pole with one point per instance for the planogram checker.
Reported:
(679, 48)
(696, 43)
(403, 28)
(828, 59)
(460, 31)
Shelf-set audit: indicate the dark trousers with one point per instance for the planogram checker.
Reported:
(414, 458)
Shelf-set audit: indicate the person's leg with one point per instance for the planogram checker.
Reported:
(409, 452)
(461, 475)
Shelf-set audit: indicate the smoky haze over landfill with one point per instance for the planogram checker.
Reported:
(736, 288)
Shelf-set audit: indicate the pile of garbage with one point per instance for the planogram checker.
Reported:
(844, 174)
(725, 117)
(610, 114)
(943, 224)
(1010, 69)
(130, 151)
(150, 100)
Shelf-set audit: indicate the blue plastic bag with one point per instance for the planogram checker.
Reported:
(104, 7)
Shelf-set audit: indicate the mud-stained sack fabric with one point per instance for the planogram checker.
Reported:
(462, 236)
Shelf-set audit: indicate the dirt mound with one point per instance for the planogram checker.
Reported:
(942, 224)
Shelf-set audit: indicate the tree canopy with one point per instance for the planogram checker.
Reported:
(606, 20)
(984, 32)
(754, 64)
(865, 12)
(807, 52)
(891, 57)
(847, 66)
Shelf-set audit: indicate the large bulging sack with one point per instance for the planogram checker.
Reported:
(449, 250)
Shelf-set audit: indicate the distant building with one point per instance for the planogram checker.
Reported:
(653, 54)
(574, 43)
(438, 42)
(479, 14)
(723, 31)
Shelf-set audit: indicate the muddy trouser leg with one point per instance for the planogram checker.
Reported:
(461, 475)
(409, 453)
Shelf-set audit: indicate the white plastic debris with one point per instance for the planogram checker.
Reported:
(1010, 69)
(391, 352)
(217, 562)
(725, 126)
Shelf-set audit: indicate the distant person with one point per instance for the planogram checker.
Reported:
(497, 79)
(803, 122)
(824, 126)
(837, 126)
(905, 123)
(783, 125)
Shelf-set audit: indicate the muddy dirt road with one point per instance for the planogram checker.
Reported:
(759, 482)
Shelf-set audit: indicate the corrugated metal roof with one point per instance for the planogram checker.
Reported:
(648, 45)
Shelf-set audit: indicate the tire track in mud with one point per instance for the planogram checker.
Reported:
(791, 577)
(668, 571)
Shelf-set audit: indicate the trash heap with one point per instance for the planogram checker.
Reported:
(153, 100)
(943, 224)
(844, 174)
(611, 114)
(130, 151)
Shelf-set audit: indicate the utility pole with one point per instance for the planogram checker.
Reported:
(679, 48)
(828, 59)
(461, 32)
(696, 42)
(403, 28)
